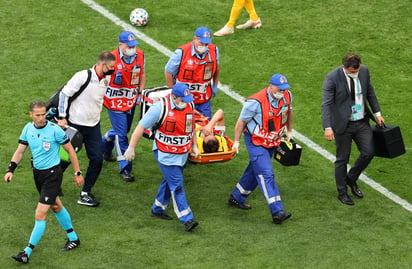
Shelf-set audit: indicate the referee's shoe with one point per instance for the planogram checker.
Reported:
(21, 257)
(70, 245)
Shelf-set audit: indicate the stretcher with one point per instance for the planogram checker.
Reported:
(151, 95)
(148, 98)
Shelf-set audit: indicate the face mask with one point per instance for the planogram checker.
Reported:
(278, 95)
(181, 106)
(201, 49)
(130, 52)
(354, 75)
(109, 72)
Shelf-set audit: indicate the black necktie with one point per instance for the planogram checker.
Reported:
(352, 89)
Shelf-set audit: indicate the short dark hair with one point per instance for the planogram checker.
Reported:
(106, 56)
(210, 146)
(37, 104)
(351, 60)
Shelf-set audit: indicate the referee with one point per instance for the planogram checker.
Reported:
(44, 139)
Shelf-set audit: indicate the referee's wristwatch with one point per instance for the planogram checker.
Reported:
(78, 173)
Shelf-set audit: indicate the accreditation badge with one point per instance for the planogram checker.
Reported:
(207, 74)
(189, 123)
(357, 112)
(284, 114)
(135, 78)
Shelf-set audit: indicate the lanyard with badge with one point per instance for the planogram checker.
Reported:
(135, 74)
(357, 111)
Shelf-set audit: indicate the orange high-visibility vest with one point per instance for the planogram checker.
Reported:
(196, 73)
(274, 120)
(123, 97)
(176, 133)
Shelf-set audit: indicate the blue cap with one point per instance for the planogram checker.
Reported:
(204, 34)
(279, 81)
(182, 90)
(128, 38)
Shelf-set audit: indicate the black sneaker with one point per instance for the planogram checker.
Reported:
(190, 225)
(21, 257)
(126, 176)
(70, 245)
(161, 216)
(88, 200)
(108, 157)
(279, 217)
(233, 202)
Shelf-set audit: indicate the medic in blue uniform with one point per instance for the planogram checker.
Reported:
(265, 117)
(173, 140)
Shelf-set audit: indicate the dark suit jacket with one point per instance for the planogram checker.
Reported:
(336, 99)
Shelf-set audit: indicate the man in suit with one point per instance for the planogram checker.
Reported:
(346, 92)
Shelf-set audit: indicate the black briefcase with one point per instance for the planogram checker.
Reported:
(388, 141)
(288, 153)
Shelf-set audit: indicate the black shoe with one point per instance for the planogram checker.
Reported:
(70, 245)
(354, 187)
(190, 225)
(108, 157)
(21, 257)
(126, 176)
(355, 190)
(161, 216)
(345, 199)
(88, 200)
(233, 202)
(279, 217)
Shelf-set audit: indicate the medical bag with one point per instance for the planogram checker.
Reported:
(288, 152)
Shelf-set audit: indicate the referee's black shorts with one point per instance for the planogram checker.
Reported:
(48, 183)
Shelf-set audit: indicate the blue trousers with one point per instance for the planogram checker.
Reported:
(259, 172)
(205, 109)
(93, 144)
(172, 186)
(117, 136)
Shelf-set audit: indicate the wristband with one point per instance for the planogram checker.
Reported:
(78, 173)
(12, 166)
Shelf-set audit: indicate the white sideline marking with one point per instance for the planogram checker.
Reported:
(224, 88)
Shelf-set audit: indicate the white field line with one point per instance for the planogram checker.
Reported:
(224, 88)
